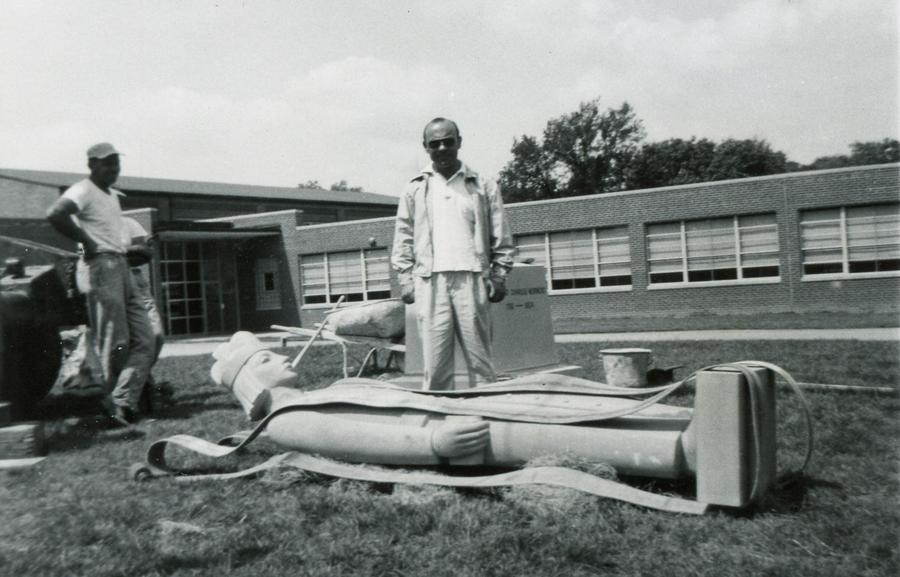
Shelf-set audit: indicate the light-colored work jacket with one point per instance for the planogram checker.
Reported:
(413, 252)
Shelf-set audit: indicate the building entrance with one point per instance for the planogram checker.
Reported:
(191, 287)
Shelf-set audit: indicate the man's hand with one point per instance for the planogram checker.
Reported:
(89, 247)
(496, 286)
(139, 255)
(454, 439)
(408, 292)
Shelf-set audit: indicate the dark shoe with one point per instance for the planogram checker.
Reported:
(124, 416)
(155, 396)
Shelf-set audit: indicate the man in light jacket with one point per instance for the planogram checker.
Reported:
(452, 252)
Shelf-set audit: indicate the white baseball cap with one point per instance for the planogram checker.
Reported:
(102, 150)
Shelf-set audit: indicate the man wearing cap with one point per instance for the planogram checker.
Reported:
(452, 252)
(89, 213)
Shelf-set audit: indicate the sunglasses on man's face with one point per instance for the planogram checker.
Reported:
(447, 142)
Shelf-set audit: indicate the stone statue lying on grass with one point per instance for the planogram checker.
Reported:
(508, 423)
(504, 424)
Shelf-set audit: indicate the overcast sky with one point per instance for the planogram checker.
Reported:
(282, 92)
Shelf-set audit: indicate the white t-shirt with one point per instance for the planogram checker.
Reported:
(99, 214)
(453, 224)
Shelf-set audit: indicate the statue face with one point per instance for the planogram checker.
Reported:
(271, 369)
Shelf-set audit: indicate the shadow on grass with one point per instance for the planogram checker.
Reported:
(240, 557)
(74, 423)
(191, 405)
(788, 495)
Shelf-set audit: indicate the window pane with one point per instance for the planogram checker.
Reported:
(378, 277)
(763, 259)
(178, 326)
(872, 238)
(666, 259)
(312, 274)
(191, 251)
(824, 255)
(345, 276)
(664, 247)
(531, 246)
(614, 256)
(710, 250)
(572, 260)
(820, 235)
(172, 251)
(822, 214)
(758, 239)
(194, 290)
(173, 271)
(710, 244)
(612, 245)
(268, 285)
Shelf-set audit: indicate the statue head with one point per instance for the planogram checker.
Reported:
(247, 367)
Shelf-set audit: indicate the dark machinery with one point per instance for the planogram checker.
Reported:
(34, 302)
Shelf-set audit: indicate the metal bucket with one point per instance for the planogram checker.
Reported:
(626, 367)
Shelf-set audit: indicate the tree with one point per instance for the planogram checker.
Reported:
(343, 186)
(312, 184)
(527, 175)
(861, 153)
(677, 161)
(888, 150)
(744, 158)
(584, 152)
(590, 150)
(823, 162)
(673, 161)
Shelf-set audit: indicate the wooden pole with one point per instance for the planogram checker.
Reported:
(315, 335)
(848, 388)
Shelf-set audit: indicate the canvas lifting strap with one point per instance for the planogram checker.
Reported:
(551, 476)
(156, 465)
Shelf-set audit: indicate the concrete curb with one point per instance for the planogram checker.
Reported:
(206, 345)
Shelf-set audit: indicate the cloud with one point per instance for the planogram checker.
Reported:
(356, 119)
(809, 76)
(277, 93)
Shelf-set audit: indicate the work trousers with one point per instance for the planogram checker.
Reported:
(121, 331)
(453, 306)
(145, 293)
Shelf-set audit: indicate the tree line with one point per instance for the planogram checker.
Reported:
(591, 151)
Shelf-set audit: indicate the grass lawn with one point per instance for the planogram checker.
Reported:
(79, 513)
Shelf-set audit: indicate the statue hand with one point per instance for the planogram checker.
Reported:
(457, 439)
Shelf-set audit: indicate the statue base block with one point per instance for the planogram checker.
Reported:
(522, 334)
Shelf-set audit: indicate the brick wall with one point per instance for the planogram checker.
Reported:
(785, 195)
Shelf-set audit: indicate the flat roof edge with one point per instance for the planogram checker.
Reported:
(346, 222)
(782, 175)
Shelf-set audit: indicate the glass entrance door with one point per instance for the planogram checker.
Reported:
(190, 273)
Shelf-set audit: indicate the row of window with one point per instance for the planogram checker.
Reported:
(359, 275)
(834, 241)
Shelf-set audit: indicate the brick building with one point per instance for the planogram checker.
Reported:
(205, 267)
(793, 244)
(801, 244)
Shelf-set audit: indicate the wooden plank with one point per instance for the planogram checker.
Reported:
(13, 464)
(377, 342)
(22, 440)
